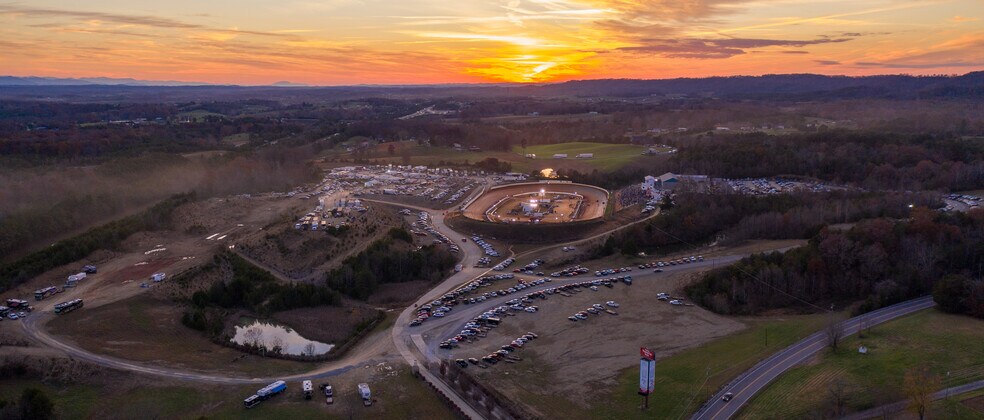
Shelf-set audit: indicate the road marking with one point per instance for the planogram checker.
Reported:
(851, 326)
(777, 364)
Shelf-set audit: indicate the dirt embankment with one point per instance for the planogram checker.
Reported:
(305, 255)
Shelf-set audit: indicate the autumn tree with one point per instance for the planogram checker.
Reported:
(919, 385)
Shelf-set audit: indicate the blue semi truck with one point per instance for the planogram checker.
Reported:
(265, 393)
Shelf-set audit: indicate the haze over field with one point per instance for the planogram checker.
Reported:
(425, 41)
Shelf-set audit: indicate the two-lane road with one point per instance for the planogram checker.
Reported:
(753, 381)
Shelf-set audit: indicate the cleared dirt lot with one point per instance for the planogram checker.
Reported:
(113, 395)
(593, 205)
(171, 251)
(146, 329)
(574, 358)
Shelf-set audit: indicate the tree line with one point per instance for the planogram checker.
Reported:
(253, 288)
(108, 236)
(389, 260)
(697, 218)
(882, 261)
(872, 160)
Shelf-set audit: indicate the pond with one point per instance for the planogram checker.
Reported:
(270, 335)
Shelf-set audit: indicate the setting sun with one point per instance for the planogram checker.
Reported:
(421, 41)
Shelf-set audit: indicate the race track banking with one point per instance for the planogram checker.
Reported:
(593, 207)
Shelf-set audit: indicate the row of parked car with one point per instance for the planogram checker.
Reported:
(423, 222)
(595, 309)
(528, 268)
(479, 326)
(609, 271)
(504, 264)
(462, 191)
(590, 284)
(570, 271)
(483, 262)
(503, 354)
(521, 285)
(487, 247)
(436, 309)
(678, 261)
(678, 301)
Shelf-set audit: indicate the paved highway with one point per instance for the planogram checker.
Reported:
(758, 377)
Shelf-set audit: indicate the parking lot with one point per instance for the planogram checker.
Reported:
(572, 356)
(763, 186)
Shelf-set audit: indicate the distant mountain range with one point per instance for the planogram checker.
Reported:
(105, 81)
(802, 86)
(799, 87)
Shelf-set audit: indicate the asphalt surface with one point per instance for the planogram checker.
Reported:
(435, 330)
(753, 381)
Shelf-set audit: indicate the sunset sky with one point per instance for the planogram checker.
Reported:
(334, 42)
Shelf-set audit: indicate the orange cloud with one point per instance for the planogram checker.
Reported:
(417, 41)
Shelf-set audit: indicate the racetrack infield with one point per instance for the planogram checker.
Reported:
(593, 205)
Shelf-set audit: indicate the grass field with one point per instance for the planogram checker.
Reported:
(236, 139)
(940, 342)
(399, 395)
(607, 156)
(957, 408)
(144, 329)
(683, 381)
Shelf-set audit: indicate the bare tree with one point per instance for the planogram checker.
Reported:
(252, 336)
(277, 345)
(834, 332)
(838, 392)
(864, 325)
(919, 385)
(309, 349)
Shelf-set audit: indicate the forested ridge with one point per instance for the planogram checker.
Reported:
(881, 261)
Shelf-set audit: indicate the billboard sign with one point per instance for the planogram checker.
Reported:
(647, 371)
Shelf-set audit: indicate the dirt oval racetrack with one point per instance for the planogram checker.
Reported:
(592, 206)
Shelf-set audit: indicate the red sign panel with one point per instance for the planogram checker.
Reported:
(647, 354)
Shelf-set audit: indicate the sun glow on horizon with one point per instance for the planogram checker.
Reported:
(520, 41)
